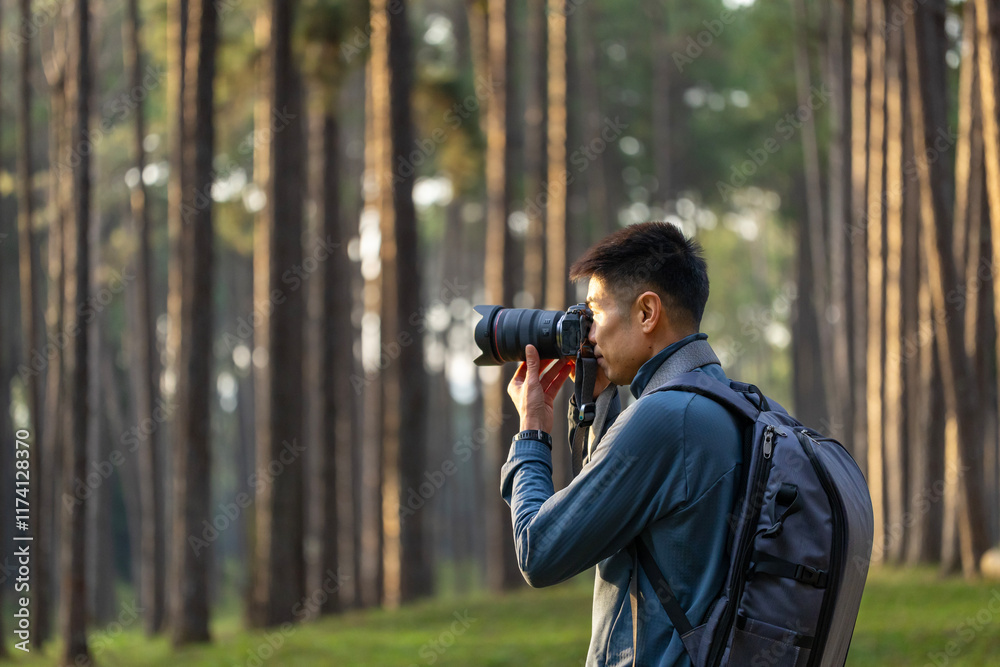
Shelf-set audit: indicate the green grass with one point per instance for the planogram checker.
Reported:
(907, 618)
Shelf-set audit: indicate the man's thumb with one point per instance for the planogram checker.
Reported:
(531, 358)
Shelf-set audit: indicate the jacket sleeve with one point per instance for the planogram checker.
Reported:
(636, 474)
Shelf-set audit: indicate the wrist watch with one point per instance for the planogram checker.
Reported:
(535, 434)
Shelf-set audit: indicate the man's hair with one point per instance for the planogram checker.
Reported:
(652, 256)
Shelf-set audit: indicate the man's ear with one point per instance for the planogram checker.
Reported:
(649, 311)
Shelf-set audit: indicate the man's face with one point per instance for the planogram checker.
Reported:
(618, 341)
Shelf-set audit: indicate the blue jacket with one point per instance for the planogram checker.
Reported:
(668, 464)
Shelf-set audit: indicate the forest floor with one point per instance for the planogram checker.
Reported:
(908, 617)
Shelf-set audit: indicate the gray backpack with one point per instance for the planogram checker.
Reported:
(800, 545)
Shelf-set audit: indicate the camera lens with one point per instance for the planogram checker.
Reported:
(503, 333)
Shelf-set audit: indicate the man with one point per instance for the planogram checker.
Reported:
(666, 468)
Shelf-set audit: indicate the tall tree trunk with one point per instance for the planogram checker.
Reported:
(334, 396)
(814, 227)
(838, 210)
(892, 372)
(191, 561)
(988, 56)
(377, 206)
(144, 375)
(859, 227)
(177, 28)
(937, 224)
(534, 154)
(501, 567)
(279, 577)
(73, 592)
(876, 269)
(100, 555)
(30, 306)
(60, 196)
(405, 407)
(555, 210)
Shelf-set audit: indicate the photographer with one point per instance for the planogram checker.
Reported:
(666, 468)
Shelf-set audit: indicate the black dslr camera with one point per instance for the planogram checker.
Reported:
(503, 333)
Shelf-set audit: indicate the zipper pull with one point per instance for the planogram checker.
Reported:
(768, 441)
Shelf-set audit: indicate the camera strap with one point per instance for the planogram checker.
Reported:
(583, 415)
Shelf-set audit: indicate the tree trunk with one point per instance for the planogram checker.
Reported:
(60, 196)
(405, 431)
(555, 186)
(334, 395)
(534, 155)
(279, 577)
(501, 566)
(892, 381)
(31, 309)
(73, 592)
(144, 376)
(191, 559)
(859, 228)
(838, 210)
(369, 494)
(876, 268)
(956, 371)
(814, 227)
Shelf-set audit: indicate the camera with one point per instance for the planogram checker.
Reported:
(503, 333)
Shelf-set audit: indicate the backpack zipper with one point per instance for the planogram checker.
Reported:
(757, 489)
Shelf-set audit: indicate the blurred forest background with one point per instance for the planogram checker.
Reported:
(240, 241)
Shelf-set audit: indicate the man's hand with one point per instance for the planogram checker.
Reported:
(533, 392)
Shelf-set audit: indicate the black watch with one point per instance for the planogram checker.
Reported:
(535, 434)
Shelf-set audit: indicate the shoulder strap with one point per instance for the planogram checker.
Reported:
(736, 401)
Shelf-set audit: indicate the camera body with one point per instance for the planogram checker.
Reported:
(503, 333)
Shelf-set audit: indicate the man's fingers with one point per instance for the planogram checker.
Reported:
(519, 376)
(531, 361)
(557, 382)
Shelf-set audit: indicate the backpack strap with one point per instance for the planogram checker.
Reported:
(735, 396)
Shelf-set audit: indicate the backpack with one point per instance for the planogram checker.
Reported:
(800, 545)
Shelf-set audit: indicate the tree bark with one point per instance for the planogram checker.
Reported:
(534, 154)
(279, 577)
(73, 592)
(956, 371)
(144, 376)
(859, 227)
(892, 381)
(406, 411)
(876, 269)
(191, 561)
(31, 316)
